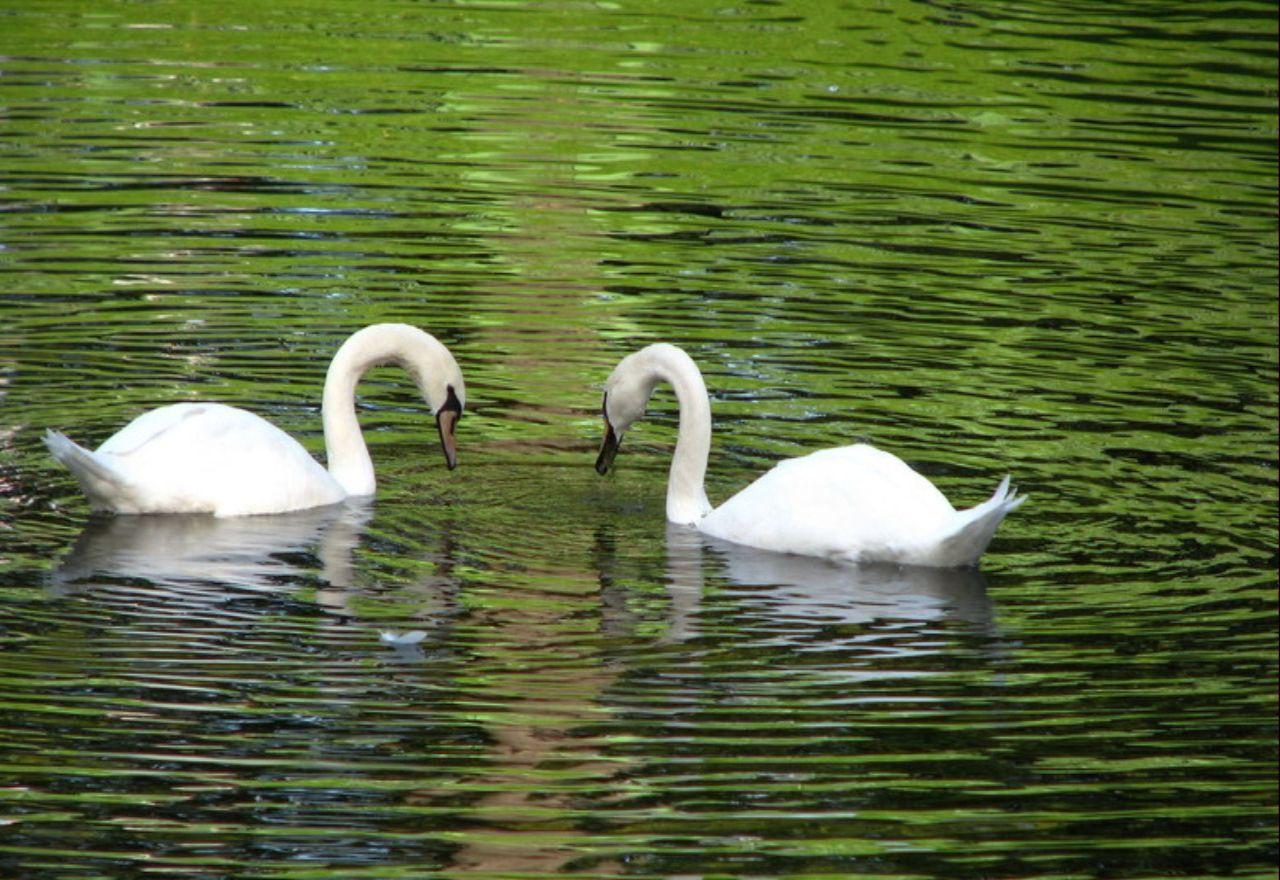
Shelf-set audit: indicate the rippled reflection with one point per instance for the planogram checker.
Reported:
(825, 593)
(184, 564)
(812, 604)
(246, 553)
(1033, 236)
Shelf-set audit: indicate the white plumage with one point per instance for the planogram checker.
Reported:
(851, 503)
(213, 458)
(198, 458)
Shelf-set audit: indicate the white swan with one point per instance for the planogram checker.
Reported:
(212, 458)
(852, 503)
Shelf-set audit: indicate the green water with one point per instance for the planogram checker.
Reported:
(1028, 238)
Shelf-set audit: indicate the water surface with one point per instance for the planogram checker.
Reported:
(1027, 238)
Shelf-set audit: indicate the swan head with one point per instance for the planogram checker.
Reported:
(443, 389)
(436, 373)
(447, 417)
(424, 357)
(626, 394)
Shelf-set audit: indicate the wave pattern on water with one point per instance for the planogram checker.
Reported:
(1035, 238)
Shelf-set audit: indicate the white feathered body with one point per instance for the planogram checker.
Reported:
(198, 458)
(213, 458)
(849, 504)
(857, 504)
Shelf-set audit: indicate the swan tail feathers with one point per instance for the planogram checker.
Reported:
(968, 537)
(101, 482)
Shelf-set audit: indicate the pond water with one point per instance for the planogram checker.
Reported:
(1012, 237)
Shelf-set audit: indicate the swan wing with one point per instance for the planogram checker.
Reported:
(212, 458)
(855, 503)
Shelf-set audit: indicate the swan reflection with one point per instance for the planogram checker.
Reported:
(246, 552)
(186, 562)
(798, 600)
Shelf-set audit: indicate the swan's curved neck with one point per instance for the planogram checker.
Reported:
(686, 491)
(418, 352)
